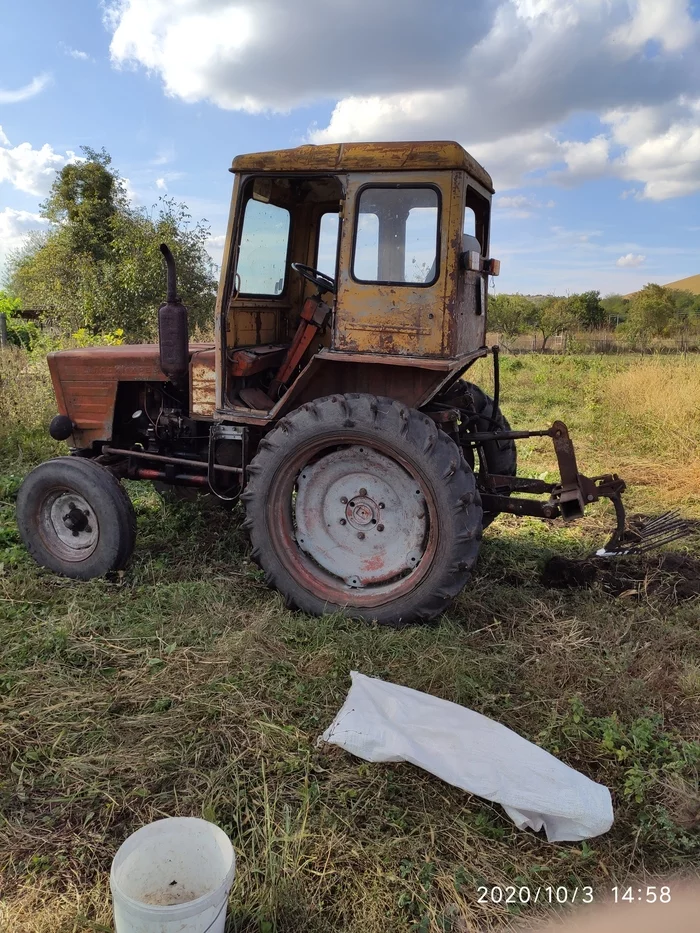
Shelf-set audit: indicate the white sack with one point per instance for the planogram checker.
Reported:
(380, 721)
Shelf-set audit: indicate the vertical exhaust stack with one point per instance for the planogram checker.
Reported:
(173, 332)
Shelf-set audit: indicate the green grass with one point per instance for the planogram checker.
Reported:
(185, 687)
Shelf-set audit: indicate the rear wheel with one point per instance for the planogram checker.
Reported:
(75, 518)
(500, 456)
(360, 505)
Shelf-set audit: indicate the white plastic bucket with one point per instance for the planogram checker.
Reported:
(173, 876)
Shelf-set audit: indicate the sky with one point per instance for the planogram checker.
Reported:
(585, 112)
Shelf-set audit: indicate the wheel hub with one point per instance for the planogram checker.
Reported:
(361, 516)
(362, 511)
(71, 524)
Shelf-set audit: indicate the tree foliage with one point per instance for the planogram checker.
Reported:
(555, 316)
(652, 313)
(587, 310)
(510, 314)
(99, 267)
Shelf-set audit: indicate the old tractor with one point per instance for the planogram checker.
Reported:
(352, 300)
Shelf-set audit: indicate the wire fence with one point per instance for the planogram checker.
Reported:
(595, 341)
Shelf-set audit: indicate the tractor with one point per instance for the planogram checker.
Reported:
(352, 301)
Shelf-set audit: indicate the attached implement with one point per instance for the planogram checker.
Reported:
(352, 301)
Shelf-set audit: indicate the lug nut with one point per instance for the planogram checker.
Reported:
(344, 500)
(361, 535)
(363, 491)
(381, 505)
(343, 522)
(380, 527)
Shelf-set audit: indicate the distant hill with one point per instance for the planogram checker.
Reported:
(691, 284)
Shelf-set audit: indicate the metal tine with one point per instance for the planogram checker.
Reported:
(659, 520)
(655, 544)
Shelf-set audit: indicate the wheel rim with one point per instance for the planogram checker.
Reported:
(354, 524)
(68, 525)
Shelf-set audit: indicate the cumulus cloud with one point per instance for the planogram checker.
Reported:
(14, 227)
(245, 56)
(631, 261)
(35, 86)
(501, 76)
(161, 184)
(28, 169)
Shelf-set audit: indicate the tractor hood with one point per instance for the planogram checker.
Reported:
(85, 383)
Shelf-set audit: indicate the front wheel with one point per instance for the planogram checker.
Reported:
(360, 505)
(75, 518)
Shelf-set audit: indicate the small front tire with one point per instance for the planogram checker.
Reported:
(76, 519)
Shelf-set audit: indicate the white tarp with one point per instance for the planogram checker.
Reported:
(380, 721)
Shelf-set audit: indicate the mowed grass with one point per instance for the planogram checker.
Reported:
(185, 687)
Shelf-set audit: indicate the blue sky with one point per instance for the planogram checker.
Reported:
(586, 112)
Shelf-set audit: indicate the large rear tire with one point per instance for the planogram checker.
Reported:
(501, 456)
(75, 518)
(360, 505)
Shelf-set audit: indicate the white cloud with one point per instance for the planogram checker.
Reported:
(14, 227)
(245, 56)
(28, 169)
(667, 22)
(162, 184)
(35, 86)
(76, 53)
(520, 206)
(215, 248)
(4, 141)
(501, 76)
(631, 261)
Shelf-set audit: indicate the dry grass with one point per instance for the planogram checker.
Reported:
(187, 688)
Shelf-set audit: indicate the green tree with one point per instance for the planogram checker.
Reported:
(98, 267)
(509, 314)
(554, 316)
(85, 198)
(586, 307)
(652, 313)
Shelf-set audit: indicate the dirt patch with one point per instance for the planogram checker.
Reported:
(672, 576)
(168, 897)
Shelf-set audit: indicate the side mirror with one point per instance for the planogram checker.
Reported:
(471, 261)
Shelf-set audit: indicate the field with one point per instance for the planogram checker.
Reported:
(185, 687)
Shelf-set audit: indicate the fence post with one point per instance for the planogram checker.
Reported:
(3, 330)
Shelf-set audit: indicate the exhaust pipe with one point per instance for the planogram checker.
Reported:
(173, 332)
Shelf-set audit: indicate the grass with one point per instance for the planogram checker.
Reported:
(185, 687)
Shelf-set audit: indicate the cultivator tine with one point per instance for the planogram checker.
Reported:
(647, 536)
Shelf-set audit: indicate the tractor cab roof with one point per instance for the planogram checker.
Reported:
(365, 157)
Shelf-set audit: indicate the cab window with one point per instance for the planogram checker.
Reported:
(327, 253)
(262, 258)
(396, 236)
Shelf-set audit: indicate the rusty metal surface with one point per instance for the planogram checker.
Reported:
(85, 382)
(203, 383)
(178, 461)
(250, 360)
(366, 157)
(360, 517)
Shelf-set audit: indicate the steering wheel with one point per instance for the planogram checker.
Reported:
(323, 282)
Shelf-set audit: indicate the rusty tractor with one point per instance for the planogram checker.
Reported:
(352, 301)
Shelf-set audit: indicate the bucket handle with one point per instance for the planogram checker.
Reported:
(218, 914)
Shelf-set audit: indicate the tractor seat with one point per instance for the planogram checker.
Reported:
(247, 361)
